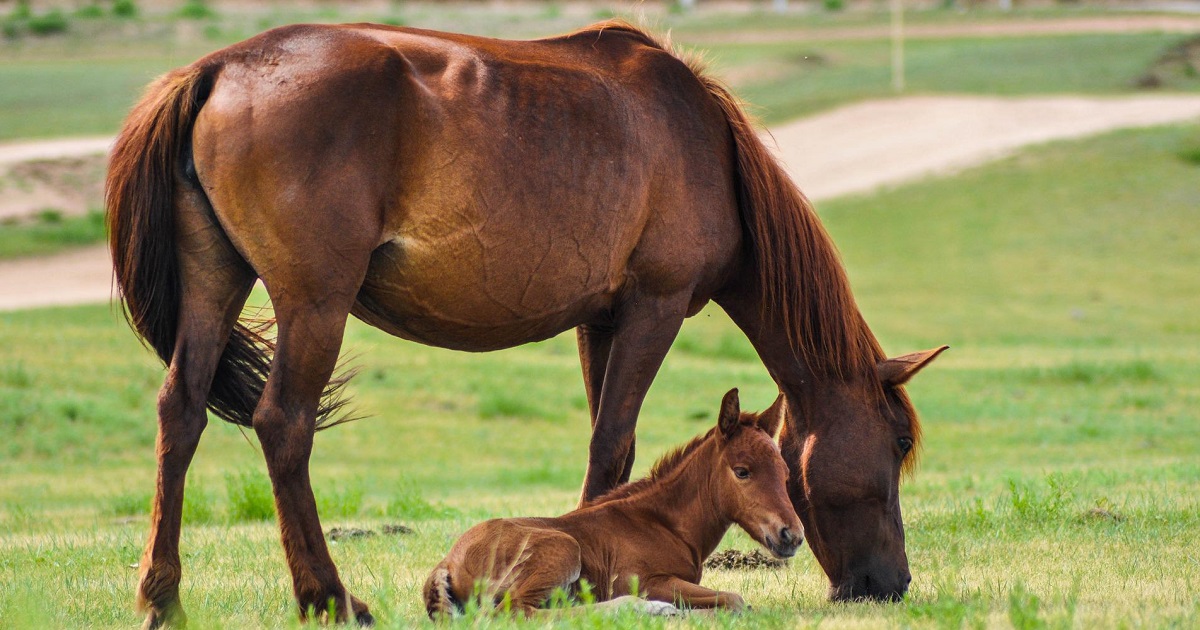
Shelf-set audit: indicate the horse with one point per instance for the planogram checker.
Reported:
(648, 538)
(477, 194)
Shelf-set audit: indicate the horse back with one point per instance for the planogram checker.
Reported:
(504, 191)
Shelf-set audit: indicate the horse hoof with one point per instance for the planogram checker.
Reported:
(169, 618)
(364, 619)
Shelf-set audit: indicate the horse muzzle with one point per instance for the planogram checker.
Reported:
(872, 586)
(785, 542)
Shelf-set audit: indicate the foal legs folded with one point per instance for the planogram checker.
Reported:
(687, 595)
(524, 564)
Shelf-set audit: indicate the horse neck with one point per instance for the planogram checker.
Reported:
(689, 502)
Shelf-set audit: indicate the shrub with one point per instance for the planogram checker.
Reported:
(250, 497)
(48, 23)
(133, 504)
(125, 9)
(343, 502)
(196, 10)
(409, 504)
(90, 11)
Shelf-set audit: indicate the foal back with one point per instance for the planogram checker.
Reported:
(473, 194)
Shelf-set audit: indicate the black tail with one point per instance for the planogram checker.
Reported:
(139, 194)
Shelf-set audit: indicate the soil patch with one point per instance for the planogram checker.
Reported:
(69, 186)
(1177, 68)
(346, 533)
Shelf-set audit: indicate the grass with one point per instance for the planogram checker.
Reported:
(788, 80)
(1057, 484)
(50, 232)
(83, 82)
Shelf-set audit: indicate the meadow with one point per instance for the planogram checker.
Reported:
(1059, 479)
(1057, 485)
(84, 80)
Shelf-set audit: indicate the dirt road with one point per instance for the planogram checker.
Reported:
(849, 150)
(1008, 28)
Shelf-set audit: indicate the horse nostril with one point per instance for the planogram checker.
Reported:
(786, 536)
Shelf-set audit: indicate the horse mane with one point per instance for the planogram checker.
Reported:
(665, 465)
(801, 278)
(800, 271)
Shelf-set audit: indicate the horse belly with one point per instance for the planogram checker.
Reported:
(453, 292)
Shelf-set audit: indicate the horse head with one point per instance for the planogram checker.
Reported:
(752, 478)
(848, 448)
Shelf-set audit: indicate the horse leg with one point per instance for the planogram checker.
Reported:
(646, 327)
(310, 337)
(216, 283)
(595, 344)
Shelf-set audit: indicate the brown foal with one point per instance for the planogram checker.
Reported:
(648, 538)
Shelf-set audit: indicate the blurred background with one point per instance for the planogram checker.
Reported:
(1018, 179)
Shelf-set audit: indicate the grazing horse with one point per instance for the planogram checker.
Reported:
(476, 194)
(649, 537)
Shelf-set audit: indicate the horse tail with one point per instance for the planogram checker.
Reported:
(800, 274)
(151, 156)
(439, 599)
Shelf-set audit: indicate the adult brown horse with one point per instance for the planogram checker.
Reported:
(649, 537)
(477, 194)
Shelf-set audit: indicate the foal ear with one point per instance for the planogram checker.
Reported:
(898, 370)
(731, 413)
(772, 418)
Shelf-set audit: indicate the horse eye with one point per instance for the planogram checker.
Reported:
(741, 473)
(905, 444)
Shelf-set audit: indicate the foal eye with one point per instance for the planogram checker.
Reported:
(741, 473)
(905, 445)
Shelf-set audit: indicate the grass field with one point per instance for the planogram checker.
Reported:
(84, 81)
(1058, 485)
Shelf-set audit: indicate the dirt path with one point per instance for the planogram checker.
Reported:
(1008, 28)
(853, 149)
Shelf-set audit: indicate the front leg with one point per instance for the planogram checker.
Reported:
(646, 327)
(687, 595)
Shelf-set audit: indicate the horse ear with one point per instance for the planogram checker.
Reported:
(898, 370)
(772, 418)
(731, 413)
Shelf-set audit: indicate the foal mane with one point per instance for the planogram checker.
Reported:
(665, 465)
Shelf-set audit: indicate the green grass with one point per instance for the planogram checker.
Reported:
(1057, 485)
(84, 82)
(784, 81)
(50, 232)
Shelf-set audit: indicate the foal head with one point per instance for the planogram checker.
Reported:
(751, 477)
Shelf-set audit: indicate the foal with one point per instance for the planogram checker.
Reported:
(651, 535)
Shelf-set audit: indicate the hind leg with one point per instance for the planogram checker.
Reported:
(523, 565)
(311, 317)
(216, 283)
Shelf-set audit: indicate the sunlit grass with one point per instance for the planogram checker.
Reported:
(1057, 481)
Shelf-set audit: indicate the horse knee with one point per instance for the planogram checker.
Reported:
(181, 420)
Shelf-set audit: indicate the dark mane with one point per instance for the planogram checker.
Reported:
(661, 468)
